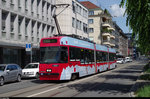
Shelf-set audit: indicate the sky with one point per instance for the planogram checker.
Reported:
(117, 13)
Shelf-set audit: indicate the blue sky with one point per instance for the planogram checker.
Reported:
(113, 7)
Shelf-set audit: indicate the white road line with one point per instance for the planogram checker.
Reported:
(66, 84)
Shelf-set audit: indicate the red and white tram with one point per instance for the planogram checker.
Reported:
(66, 58)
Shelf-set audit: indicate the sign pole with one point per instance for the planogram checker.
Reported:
(31, 51)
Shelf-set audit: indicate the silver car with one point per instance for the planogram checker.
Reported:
(10, 72)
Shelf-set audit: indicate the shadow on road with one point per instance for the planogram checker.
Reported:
(47, 81)
(111, 88)
(117, 82)
(121, 77)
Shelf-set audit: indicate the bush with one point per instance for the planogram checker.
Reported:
(147, 66)
(145, 77)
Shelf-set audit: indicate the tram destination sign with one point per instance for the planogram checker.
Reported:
(50, 41)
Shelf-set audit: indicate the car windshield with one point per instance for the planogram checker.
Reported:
(31, 66)
(2, 68)
(53, 55)
(119, 59)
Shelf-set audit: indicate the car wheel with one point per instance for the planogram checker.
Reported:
(19, 78)
(37, 75)
(1, 81)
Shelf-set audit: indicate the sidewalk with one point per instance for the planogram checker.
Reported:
(138, 84)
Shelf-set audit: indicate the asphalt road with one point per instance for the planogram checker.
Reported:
(113, 83)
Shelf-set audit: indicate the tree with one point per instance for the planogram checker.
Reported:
(138, 19)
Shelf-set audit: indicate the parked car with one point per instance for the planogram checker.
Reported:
(10, 72)
(31, 70)
(128, 59)
(120, 60)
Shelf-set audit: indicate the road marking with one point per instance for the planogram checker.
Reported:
(67, 84)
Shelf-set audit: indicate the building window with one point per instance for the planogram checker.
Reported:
(77, 25)
(85, 28)
(73, 22)
(91, 12)
(26, 3)
(91, 30)
(73, 6)
(19, 3)
(12, 1)
(91, 21)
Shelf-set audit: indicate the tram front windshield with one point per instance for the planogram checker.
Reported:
(53, 55)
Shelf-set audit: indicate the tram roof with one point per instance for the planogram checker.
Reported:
(76, 42)
(71, 41)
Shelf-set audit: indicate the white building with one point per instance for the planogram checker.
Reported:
(101, 29)
(21, 22)
(73, 20)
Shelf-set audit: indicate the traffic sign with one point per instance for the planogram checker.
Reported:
(28, 47)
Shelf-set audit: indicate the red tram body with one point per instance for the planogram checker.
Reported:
(66, 58)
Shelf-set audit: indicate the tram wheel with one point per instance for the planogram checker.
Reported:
(74, 76)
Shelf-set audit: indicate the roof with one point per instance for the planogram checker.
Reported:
(89, 5)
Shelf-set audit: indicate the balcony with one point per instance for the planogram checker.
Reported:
(111, 28)
(106, 42)
(106, 24)
(112, 45)
(111, 36)
(106, 34)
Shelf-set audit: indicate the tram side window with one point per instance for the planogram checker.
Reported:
(99, 57)
(111, 57)
(78, 54)
(104, 56)
(82, 56)
(91, 56)
(72, 54)
(64, 55)
(86, 56)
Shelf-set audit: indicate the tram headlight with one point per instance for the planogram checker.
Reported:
(49, 70)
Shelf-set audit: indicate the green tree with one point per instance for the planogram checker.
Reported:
(138, 19)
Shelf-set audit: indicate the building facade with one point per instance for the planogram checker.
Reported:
(121, 42)
(130, 44)
(108, 30)
(74, 19)
(22, 22)
(100, 25)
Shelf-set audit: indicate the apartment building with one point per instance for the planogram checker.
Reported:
(130, 44)
(100, 25)
(22, 22)
(74, 19)
(121, 42)
(108, 30)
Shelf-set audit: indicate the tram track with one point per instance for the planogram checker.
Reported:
(25, 90)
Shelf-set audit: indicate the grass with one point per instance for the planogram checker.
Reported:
(144, 91)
